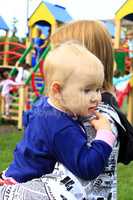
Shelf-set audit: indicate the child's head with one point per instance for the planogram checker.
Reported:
(129, 34)
(74, 77)
(5, 75)
(94, 36)
(26, 66)
(38, 32)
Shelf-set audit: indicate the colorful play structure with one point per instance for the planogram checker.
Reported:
(45, 17)
(47, 14)
(10, 52)
(125, 12)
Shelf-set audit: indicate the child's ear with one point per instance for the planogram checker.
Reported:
(56, 87)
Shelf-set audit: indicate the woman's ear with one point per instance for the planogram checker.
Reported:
(56, 87)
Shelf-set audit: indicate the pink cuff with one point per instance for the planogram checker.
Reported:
(106, 136)
(8, 180)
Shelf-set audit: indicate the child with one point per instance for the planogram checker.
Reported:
(7, 85)
(39, 43)
(23, 72)
(73, 91)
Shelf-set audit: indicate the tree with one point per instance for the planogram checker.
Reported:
(14, 28)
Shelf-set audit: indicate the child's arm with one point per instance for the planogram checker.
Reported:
(38, 151)
(102, 126)
(84, 161)
(100, 122)
(45, 44)
(1, 83)
(13, 83)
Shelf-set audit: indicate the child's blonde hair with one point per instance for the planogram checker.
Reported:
(94, 36)
(64, 60)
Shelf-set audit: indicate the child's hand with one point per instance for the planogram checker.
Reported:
(17, 64)
(22, 83)
(8, 181)
(100, 122)
(1, 182)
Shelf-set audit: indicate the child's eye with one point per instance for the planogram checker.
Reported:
(87, 90)
(98, 90)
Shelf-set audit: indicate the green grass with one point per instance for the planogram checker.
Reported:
(125, 173)
(125, 182)
(7, 145)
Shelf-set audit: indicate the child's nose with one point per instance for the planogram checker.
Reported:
(95, 98)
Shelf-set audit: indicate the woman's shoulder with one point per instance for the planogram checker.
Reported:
(109, 98)
(109, 111)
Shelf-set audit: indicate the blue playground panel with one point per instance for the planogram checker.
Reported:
(3, 24)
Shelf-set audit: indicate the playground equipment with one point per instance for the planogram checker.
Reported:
(8, 53)
(3, 26)
(124, 64)
(120, 58)
(125, 12)
(14, 52)
(23, 100)
(46, 17)
(123, 86)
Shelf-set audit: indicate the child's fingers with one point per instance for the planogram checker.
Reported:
(97, 116)
(7, 182)
(95, 120)
(1, 182)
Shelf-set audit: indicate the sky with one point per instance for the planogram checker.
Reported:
(78, 9)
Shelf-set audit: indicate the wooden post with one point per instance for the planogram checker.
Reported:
(130, 107)
(117, 33)
(26, 97)
(6, 48)
(21, 106)
(28, 42)
(29, 55)
(130, 103)
(1, 105)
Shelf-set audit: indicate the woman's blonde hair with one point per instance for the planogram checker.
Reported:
(94, 36)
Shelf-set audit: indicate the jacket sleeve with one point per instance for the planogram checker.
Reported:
(87, 162)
